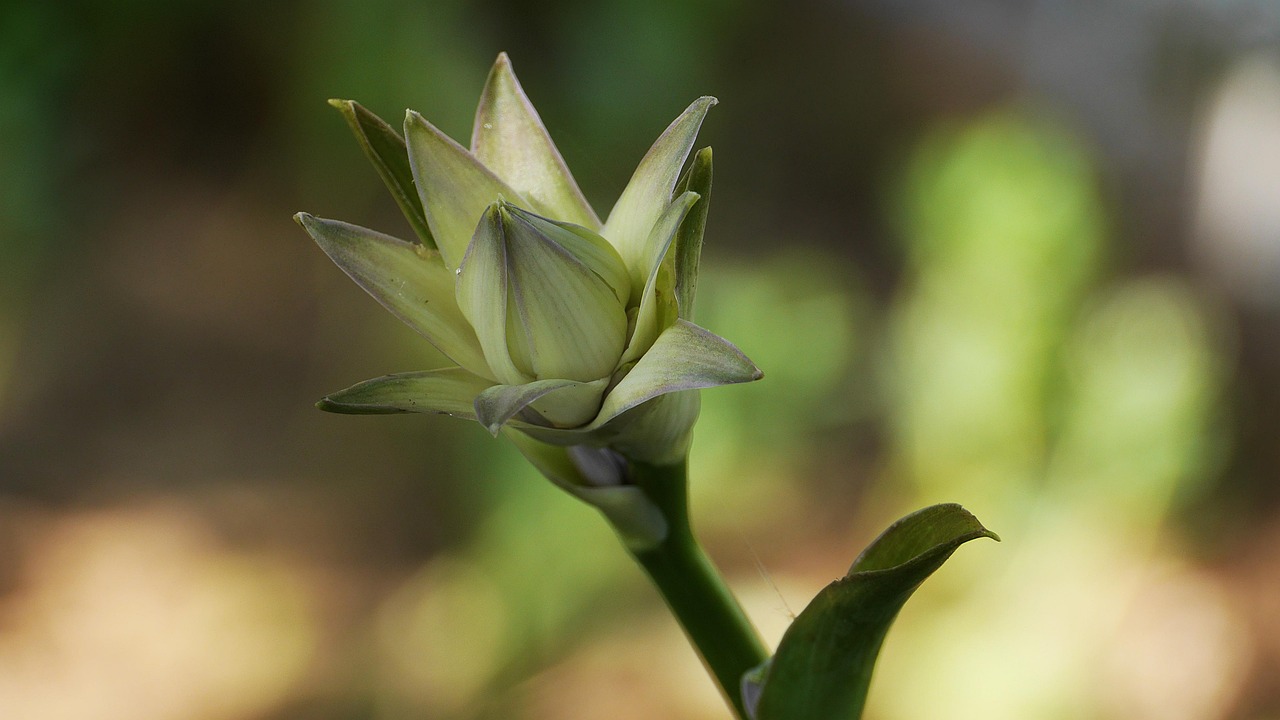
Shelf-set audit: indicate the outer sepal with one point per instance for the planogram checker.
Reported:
(688, 243)
(560, 403)
(407, 279)
(648, 414)
(387, 152)
(657, 302)
(449, 391)
(454, 187)
(510, 139)
(634, 516)
(649, 191)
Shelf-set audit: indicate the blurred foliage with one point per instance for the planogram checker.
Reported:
(955, 246)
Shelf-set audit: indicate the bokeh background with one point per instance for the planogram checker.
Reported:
(1019, 254)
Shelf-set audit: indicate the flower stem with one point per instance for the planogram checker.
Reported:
(694, 590)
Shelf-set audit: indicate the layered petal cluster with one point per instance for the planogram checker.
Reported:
(570, 333)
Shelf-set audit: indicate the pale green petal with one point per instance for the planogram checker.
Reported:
(684, 357)
(483, 296)
(510, 139)
(559, 403)
(570, 321)
(390, 157)
(649, 192)
(454, 186)
(593, 250)
(409, 280)
(688, 243)
(657, 299)
(451, 391)
(637, 520)
(539, 310)
(657, 431)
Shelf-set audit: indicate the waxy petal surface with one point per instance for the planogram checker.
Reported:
(407, 279)
(510, 139)
(450, 391)
(649, 191)
(563, 321)
(593, 250)
(484, 298)
(455, 188)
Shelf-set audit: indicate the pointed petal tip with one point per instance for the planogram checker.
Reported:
(503, 60)
(303, 218)
(340, 103)
(329, 405)
(413, 116)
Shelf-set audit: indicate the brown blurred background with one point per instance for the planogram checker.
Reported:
(1019, 254)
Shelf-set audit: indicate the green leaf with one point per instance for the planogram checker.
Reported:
(688, 243)
(407, 279)
(455, 188)
(510, 139)
(390, 157)
(649, 192)
(823, 665)
(450, 391)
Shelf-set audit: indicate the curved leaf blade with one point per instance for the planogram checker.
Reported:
(823, 665)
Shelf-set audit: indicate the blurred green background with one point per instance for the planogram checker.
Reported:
(1018, 254)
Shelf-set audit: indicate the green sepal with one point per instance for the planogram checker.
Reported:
(406, 278)
(685, 357)
(454, 187)
(561, 403)
(653, 295)
(389, 155)
(649, 191)
(450, 391)
(688, 243)
(634, 516)
(823, 665)
(509, 138)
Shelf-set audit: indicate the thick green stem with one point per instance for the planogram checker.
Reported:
(694, 589)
